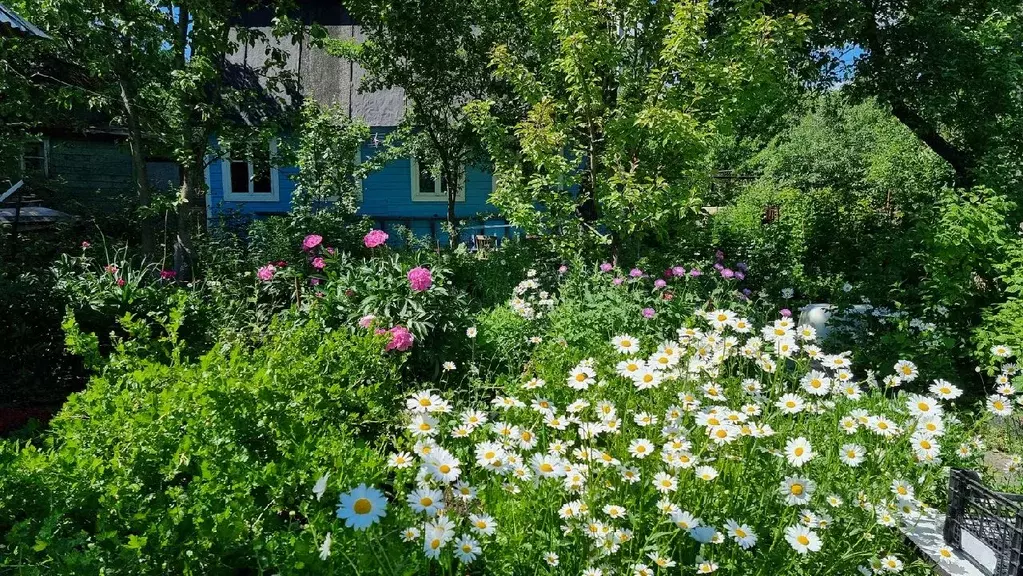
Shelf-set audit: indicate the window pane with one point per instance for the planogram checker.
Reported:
(239, 176)
(261, 179)
(34, 157)
(426, 181)
(260, 170)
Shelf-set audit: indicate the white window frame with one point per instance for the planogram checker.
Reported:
(231, 196)
(438, 194)
(46, 157)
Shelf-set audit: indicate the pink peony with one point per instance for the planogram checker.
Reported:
(311, 241)
(678, 271)
(420, 278)
(659, 283)
(318, 263)
(266, 273)
(648, 312)
(366, 321)
(605, 267)
(111, 269)
(374, 238)
(401, 339)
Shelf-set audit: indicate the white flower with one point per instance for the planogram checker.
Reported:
(802, 539)
(705, 566)
(482, 524)
(641, 448)
(467, 548)
(790, 404)
(852, 454)
(449, 366)
(1001, 351)
(362, 507)
(798, 451)
(891, 564)
(436, 534)
(906, 370)
(321, 486)
(797, 490)
(625, 344)
(922, 406)
(945, 390)
(410, 534)
(426, 500)
(903, 490)
(706, 473)
(581, 377)
(325, 547)
(424, 401)
(551, 559)
(471, 331)
(743, 534)
(999, 405)
(665, 483)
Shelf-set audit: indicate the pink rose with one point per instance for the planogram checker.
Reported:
(311, 241)
(266, 273)
(401, 339)
(420, 278)
(374, 238)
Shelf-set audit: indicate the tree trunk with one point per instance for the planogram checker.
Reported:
(138, 166)
(451, 178)
(191, 216)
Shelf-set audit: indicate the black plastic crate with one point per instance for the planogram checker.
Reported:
(994, 518)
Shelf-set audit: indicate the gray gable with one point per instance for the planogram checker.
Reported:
(329, 79)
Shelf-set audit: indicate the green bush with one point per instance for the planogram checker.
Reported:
(205, 468)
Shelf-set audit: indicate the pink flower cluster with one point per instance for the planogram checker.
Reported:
(266, 273)
(420, 278)
(401, 339)
(374, 238)
(311, 241)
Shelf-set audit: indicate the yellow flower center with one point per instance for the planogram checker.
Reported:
(798, 451)
(796, 489)
(802, 539)
(362, 506)
(444, 468)
(580, 377)
(435, 543)
(426, 501)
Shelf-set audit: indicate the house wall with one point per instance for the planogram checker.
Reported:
(98, 172)
(386, 193)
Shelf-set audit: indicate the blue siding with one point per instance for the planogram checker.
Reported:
(387, 194)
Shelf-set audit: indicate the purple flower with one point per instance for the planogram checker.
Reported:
(648, 312)
(786, 312)
(266, 273)
(747, 292)
(727, 273)
(314, 281)
(678, 271)
(695, 272)
(659, 283)
(635, 272)
(606, 267)
(318, 263)
(617, 281)
(311, 241)
(740, 276)
(374, 238)
(719, 255)
(719, 266)
(742, 267)
(420, 278)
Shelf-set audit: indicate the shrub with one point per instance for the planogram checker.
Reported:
(204, 468)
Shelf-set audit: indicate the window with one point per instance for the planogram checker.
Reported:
(35, 158)
(427, 188)
(253, 178)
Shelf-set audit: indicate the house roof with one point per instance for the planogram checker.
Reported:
(11, 24)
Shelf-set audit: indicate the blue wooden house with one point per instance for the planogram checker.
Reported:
(401, 193)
